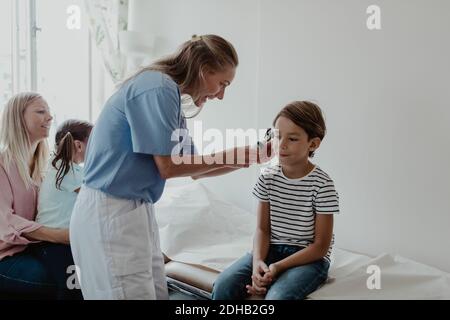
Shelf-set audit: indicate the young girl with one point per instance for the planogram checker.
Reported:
(64, 176)
(57, 197)
(297, 200)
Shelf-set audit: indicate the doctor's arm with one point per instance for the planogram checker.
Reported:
(200, 165)
(215, 173)
(263, 154)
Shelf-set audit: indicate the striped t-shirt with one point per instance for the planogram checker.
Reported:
(294, 204)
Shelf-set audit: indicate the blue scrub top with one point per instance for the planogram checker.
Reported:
(143, 118)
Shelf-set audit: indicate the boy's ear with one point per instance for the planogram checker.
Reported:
(314, 144)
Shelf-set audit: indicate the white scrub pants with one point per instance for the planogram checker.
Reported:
(115, 246)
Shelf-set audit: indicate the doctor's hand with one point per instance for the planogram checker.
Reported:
(237, 157)
(265, 152)
(261, 153)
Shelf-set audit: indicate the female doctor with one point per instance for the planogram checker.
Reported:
(134, 147)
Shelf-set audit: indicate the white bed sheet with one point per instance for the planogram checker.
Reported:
(197, 226)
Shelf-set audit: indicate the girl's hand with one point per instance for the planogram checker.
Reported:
(63, 236)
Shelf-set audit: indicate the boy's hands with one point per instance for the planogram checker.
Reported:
(258, 281)
(262, 276)
(273, 271)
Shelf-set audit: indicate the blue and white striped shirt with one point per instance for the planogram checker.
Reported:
(294, 204)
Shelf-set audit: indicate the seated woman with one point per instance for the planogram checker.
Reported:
(24, 262)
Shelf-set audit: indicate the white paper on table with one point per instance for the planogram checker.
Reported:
(400, 278)
(198, 227)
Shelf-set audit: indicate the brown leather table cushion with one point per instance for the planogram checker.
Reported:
(194, 275)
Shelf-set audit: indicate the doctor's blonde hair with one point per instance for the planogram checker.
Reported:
(15, 144)
(206, 53)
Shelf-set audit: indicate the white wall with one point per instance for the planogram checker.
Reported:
(175, 21)
(385, 94)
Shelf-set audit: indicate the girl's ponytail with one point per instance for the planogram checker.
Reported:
(67, 133)
(64, 154)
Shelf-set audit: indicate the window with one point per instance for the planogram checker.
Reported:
(63, 60)
(6, 81)
(15, 48)
(41, 51)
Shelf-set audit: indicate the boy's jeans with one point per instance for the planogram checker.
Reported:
(293, 284)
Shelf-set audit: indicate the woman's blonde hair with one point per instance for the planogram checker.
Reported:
(192, 59)
(15, 146)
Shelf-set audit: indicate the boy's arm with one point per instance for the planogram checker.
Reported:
(315, 251)
(261, 240)
(261, 245)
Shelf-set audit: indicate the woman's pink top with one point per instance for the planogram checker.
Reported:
(18, 208)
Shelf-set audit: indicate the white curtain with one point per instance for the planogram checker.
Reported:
(107, 19)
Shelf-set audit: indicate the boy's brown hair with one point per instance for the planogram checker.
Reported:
(306, 115)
